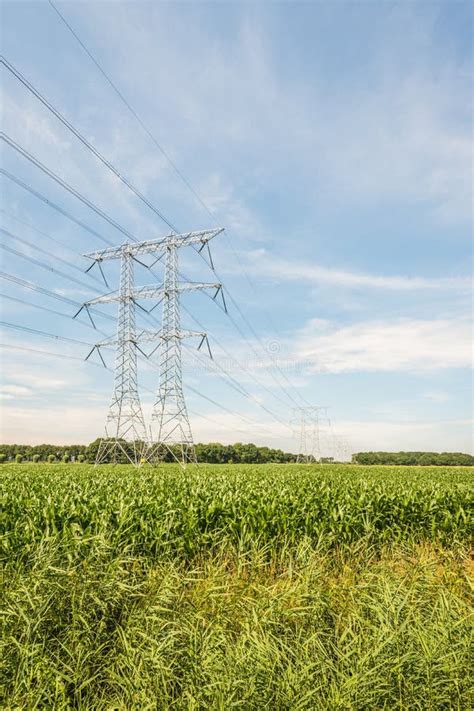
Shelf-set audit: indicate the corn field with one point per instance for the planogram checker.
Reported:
(236, 586)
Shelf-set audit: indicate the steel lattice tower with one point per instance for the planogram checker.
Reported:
(126, 433)
(307, 419)
(170, 411)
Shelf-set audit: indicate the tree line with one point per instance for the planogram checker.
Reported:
(217, 453)
(442, 459)
(212, 453)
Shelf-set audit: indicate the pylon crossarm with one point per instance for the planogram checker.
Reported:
(106, 298)
(145, 336)
(153, 246)
(125, 425)
(151, 292)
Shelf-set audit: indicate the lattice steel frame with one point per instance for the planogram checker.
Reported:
(126, 433)
(307, 421)
(125, 430)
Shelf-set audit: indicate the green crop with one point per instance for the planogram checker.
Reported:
(165, 511)
(237, 586)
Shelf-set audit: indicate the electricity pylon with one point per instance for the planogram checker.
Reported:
(308, 421)
(125, 430)
(170, 411)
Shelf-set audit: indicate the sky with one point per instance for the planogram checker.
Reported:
(331, 140)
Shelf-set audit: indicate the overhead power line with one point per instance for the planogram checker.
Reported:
(64, 356)
(61, 244)
(38, 263)
(22, 151)
(43, 251)
(181, 176)
(84, 140)
(51, 311)
(41, 290)
(37, 332)
(107, 163)
(53, 205)
(132, 111)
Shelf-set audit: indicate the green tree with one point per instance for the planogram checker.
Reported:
(18, 459)
(36, 458)
(51, 458)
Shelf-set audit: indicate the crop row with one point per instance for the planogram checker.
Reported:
(164, 511)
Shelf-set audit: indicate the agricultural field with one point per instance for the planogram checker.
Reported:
(236, 586)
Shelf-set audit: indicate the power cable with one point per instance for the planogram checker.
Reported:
(59, 297)
(38, 263)
(51, 311)
(63, 184)
(56, 207)
(43, 234)
(83, 140)
(35, 331)
(43, 251)
(107, 163)
(178, 173)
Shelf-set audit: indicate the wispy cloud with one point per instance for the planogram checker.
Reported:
(261, 262)
(404, 345)
(14, 392)
(435, 435)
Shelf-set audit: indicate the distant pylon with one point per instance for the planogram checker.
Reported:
(307, 420)
(126, 434)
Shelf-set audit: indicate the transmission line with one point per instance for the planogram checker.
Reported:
(44, 234)
(37, 163)
(38, 263)
(88, 203)
(43, 251)
(59, 297)
(83, 140)
(51, 311)
(63, 184)
(63, 356)
(27, 329)
(56, 207)
(183, 179)
(132, 111)
(225, 376)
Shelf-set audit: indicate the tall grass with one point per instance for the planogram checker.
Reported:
(238, 587)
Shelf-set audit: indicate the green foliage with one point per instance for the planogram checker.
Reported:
(443, 459)
(36, 458)
(300, 631)
(18, 458)
(2, 457)
(164, 511)
(66, 458)
(51, 458)
(236, 586)
(212, 453)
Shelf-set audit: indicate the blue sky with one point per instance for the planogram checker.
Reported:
(333, 142)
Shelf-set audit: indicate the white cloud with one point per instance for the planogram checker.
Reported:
(261, 262)
(437, 396)
(400, 135)
(404, 345)
(435, 436)
(13, 392)
(54, 424)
